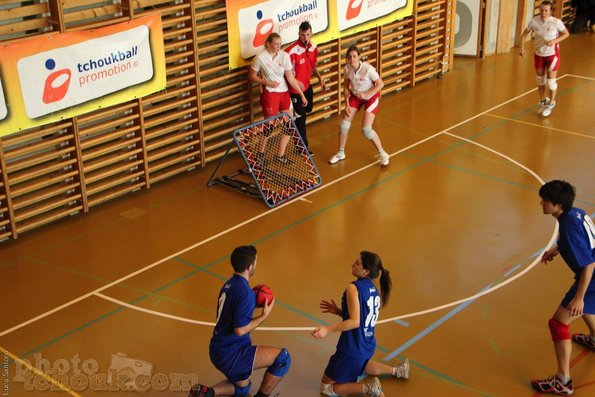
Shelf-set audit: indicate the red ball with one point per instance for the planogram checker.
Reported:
(263, 292)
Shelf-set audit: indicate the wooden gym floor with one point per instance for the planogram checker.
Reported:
(455, 214)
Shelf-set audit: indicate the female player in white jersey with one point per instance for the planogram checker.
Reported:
(361, 87)
(360, 307)
(549, 31)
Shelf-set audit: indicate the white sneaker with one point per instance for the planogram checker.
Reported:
(374, 387)
(547, 110)
(340, 156)
(384, 158)
(402, 371)
(542, 104)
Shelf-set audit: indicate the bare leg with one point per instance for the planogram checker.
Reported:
(376, 368)
(284, 138)
(265, 356)
(224, 388)
(368, 120)
(347, 116)
(541, 88)
(589, 319)
(563, 348)
(552, 75)
(344, 388)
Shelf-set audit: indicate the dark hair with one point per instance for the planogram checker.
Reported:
(353, 48)
(372, 262)
(242, 257)
(305, 26)
(558, 192)
(547, 3)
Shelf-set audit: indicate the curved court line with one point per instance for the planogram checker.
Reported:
(38, 373)
(269, 211)
(189, 320)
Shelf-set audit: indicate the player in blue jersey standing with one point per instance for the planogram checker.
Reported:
(576, 245)
(231, 348)
(360, 307)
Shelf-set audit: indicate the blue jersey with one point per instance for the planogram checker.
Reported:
(234, 310)
(361, 341)
(576, 242)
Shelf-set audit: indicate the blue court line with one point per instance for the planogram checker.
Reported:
(432, 327)
(428, 159)
(402, 322)
(514, 269)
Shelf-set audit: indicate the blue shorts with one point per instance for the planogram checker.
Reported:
(343, 368)
(589, 299)
(236, 363)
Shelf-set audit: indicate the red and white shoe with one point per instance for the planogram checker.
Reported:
(553, 385)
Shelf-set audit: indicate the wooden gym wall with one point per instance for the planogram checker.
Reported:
(68, 167)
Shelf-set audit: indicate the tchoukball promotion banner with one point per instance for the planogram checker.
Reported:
(53, 77)
(249, 22)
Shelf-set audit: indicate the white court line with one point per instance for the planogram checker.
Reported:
(248, 221)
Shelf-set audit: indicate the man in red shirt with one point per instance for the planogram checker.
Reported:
(304, 55)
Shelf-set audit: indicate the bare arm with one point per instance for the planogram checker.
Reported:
(255, 77)
(256, 321)
(351, 323)
(526, 32)
(294, 84)
(576, 305)
(563, 36)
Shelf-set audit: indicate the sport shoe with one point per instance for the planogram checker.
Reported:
(547, 109)
(553, 385)
(201, 391)
(374, 387)
(383, 158)
(340, 156)
(542, 104)
(402, 371)
(585, 340)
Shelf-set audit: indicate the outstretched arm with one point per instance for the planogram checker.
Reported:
(351, 323)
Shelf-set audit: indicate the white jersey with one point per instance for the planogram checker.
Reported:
(272, 68)
(545, 31)
(362, 79)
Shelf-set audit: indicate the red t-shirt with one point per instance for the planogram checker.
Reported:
(303, 61)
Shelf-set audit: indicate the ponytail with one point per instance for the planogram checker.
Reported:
(372, 262)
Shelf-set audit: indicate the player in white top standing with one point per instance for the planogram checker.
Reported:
(549, 31)
(361, 87)
(273, 70)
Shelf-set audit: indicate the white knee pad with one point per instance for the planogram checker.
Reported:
(552, 84)
(344, 126)
(369, 132)
(327, 389)
(540, 80)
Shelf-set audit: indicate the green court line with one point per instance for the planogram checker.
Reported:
(337, 203)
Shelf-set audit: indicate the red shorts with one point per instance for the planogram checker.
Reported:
(274, 102)
(551, 63)
(371, 105)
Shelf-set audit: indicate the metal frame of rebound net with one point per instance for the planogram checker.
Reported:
(265, 176)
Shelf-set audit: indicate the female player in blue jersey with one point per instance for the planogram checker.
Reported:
(360, 306)
(231, 348)
(576, 245)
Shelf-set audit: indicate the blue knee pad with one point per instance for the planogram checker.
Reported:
(242, 391)
(281, 364)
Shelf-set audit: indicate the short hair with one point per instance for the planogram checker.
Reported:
(352, 48)
(242, 257)
(547, 3)
(558, 192)
(305, 26)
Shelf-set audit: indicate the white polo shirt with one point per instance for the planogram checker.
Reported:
(272, 68)
(362, 79)
(545, 31)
